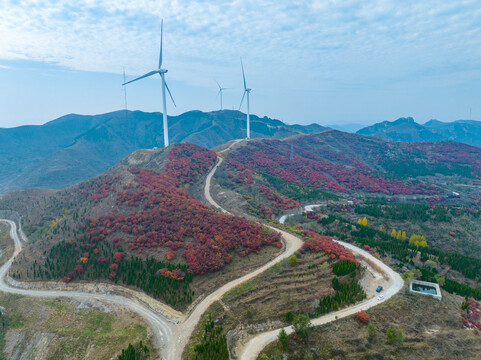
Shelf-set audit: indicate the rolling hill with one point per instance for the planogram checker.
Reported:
(74, 148)
(347, 163)
(406, 129)
(137, 224)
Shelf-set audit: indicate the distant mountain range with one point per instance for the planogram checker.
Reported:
(406, 129)
(74, 148)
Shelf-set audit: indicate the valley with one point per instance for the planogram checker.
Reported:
(251, 287)
(170, 188)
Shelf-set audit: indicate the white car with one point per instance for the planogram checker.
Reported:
(380, 297)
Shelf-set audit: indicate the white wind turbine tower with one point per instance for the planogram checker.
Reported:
(220, 93)
(246, 91)
(161, 72)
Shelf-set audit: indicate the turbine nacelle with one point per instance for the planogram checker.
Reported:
(162, 71)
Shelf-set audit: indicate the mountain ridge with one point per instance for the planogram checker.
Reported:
(75, 147)
(406, 129)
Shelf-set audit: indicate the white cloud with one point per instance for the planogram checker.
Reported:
(335, 41)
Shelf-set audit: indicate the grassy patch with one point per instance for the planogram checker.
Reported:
(243, 288)
(67, 331)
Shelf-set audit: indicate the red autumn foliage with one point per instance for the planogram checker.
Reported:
(114, 267)
(188, 163)
(326, 165)
(170, 255)
(66, 279)
(280, 202)
(472, 316)
(362, 317)
(174, 274)
(118, 256)
(79, 269)
(316, 243)
(103, 189)
(169, 215)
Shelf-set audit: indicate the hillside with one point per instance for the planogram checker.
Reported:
(137, 225)
(74, 148)
(430, 330)
(406, 129)
(431, 189)
(351, 163)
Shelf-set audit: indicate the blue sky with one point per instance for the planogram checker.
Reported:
(325, 61)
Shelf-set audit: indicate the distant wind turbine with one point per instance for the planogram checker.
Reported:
(246, 91)
(220, 93)
(125, 96)
(161, 72)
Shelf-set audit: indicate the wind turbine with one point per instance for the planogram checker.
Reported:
(246, 91)
(220, 93)
(125, 97)
(161, 72)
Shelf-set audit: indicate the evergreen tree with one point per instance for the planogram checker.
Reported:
(283, 340)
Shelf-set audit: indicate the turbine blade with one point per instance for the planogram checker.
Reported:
(243, 75)
(141, 77)
(218, 84)
(161, 31)
(170, 94)
(242, 99)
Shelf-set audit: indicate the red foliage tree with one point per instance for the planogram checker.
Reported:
(362, 317)
(170, 255)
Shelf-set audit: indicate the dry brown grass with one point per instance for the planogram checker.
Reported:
(432, 330)
(62, 329)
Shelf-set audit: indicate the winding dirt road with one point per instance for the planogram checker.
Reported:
(395, 283)
(162, 327)
(172, 337)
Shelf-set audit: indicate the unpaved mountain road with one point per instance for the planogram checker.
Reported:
(162, 327)
(394, 283)
(171, 337)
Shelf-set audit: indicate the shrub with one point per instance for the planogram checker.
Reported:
(394, 336)
(362, 317)
(289, 317)
(302, 326)
(371, 331)
(293, 260)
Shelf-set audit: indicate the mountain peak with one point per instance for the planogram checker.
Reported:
(404, 120)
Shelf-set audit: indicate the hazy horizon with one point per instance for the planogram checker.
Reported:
(347, 126)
